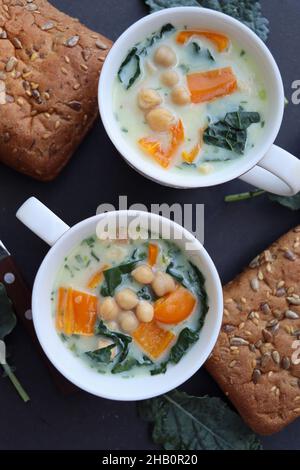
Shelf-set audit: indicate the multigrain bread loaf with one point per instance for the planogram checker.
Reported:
(256, 360)
(49, 70)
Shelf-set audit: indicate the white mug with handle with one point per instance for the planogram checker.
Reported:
(265, 166)
(63, 239)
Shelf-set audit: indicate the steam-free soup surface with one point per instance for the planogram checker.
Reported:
(188, 105)
(128, 306)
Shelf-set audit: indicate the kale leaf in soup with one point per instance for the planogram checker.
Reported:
(231, 132)
(130, 69)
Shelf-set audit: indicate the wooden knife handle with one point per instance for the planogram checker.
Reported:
(20, 295)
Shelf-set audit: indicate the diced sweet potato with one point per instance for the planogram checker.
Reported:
(85, 313)
(174, 307)
(220, 40)
(97, 278)
(152, 254)
(207, 86)
(154, 148)
(152, 339)
(190, 156)
(76, 312)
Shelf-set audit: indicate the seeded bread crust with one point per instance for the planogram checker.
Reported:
(256, 360)
(49, 70)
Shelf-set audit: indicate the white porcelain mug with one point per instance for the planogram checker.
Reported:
(63, 239)
(266, 166)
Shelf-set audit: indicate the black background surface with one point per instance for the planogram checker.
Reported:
(234, 234)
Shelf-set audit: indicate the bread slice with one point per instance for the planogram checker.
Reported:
(49, 71)
(256, 360)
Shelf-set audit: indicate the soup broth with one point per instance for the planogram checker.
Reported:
(190, 100)
(129, 306)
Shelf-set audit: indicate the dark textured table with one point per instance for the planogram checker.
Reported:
(234, 233)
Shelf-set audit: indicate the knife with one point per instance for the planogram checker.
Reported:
(20, 295)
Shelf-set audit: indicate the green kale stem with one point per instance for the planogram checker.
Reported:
(15, 382)
(244, 196)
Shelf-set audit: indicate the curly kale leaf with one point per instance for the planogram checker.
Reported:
(247, 11)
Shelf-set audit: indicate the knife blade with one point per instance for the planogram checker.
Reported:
(20, 295)
(3, 251)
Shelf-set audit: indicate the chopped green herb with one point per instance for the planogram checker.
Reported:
(185, 68)
(79, 259)
(90, 241)
(93, 254)
(197, 50)
(188, 165)
(67, 267)
(262, 94)
(73, 347)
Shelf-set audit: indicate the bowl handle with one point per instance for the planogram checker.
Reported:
(278, 173)
(40, 220)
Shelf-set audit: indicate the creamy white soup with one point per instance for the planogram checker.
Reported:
(190, 100)
(128, 306)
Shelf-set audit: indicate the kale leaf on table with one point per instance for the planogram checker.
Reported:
(7, 324)
(292, 202)
(184, 422)
(247, 11)
(7, 316)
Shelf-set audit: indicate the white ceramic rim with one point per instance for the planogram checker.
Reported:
(224, 23)
(116, 387)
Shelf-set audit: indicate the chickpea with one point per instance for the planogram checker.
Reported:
(159, 119)
(163, 284)
(180, 95)
(145, 311)
(165, 56)
(169, 78)
(112, 325)
(127, 299)
(206, 168)
(128, 321)
(108, 309)
(148, 98)
(143, 274)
